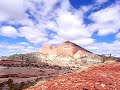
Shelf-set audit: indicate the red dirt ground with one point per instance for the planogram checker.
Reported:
(102, 77)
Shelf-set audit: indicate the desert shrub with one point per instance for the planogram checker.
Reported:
(16, 86)
(10, 81)
(1, 85)
(22, 86)
(10, 84)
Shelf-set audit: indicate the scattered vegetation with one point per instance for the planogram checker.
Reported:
(9, 85)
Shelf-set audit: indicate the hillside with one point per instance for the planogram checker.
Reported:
(50, 62)
(67, 48)
(102, 77)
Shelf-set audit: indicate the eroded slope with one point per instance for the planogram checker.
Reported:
(102, 77)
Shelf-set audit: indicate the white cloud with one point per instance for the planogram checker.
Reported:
(23, 43)
(20, 47)
(118, 35)
(105, 48)
(13, 9)
(8, 31)
(3, 16)
(84, 41)
(86, 8)
(56, 40)
(69, 25)
(65, 21)
(32, 34)
(106, 21)
(68, 22)
(48, 6)
(101, 1)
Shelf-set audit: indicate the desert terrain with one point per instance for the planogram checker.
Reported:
(62, 67)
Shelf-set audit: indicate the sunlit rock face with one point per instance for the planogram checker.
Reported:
(67, 48)
(48, 49)
(69, 54)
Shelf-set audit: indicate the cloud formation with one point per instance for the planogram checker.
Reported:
(32, 34)
(101, 1)
(106, 21)
(12, 10)
(8, 31)
(42, 22)
(22, 47)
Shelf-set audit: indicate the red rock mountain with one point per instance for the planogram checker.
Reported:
(66, 48)
(86, 76)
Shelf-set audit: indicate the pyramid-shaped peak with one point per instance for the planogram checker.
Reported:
(67, 42)
(70, 43)
(66, 48)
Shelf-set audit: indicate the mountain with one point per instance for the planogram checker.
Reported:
(70, 54)
(76, 65)
(65, 54)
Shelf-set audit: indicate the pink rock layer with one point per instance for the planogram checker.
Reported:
(67, 48)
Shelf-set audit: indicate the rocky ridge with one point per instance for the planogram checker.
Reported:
(65, 54)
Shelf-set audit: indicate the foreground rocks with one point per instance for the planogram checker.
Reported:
(102, 77)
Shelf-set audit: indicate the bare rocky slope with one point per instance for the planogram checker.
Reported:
(101, 77)
(67, 48)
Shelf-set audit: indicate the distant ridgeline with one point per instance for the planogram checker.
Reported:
(28, 57)
(66, 54)
(60, 59)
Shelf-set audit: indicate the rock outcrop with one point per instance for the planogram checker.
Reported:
(102, 77)
(70, 54)
(67, 48)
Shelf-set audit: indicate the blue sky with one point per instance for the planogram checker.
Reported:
(26, 25)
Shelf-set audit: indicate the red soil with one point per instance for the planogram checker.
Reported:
(102, 77)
